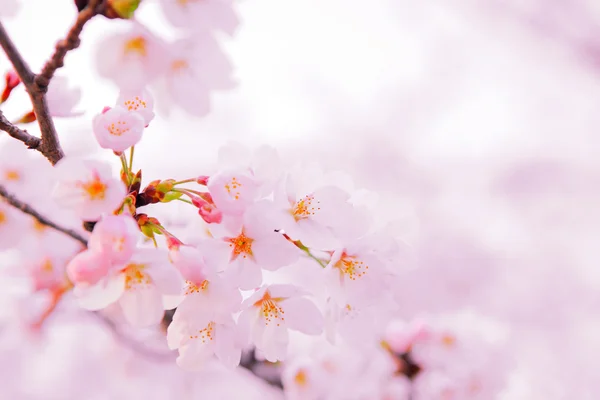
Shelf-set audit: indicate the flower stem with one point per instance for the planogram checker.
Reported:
(131, 152)
(305, 249)
(185, 181)
(185, 201)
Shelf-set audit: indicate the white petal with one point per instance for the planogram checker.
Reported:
(142, 306)
(102, 294)
(303, 315)
(226, 348)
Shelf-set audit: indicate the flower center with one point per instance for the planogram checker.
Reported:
(134, 104)
(118, 128)
(136, 45)
(240, 245)
(47, 266)
(448, 340)
(301, 378)
(304, 207)
(232, 188)
(206, 333)
(270, 309)
(12, 175)
(179, 65)
(134, 276)
(193, 288)
(351, 267)
(2, 217)
(95, 189)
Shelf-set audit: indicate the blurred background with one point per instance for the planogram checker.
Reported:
(476, 122)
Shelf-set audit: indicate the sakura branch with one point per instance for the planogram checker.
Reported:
(37, 85)
(29, 140)
(27, 209)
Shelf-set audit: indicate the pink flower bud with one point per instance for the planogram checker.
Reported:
(210, 213)
(88, 267)
(202, 180)
(12, 81)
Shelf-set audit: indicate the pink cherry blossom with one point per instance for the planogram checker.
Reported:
(62, 99)
(140, 102)
(118, 129)
(199, 339)
(132, 59)
(22, 171)
(87, 187)
(206, 293)
(46, 270)
(138, 286)
(88, 267)
(195, 67)
(312, 217)
(232, 191)
(263, 164)
(244, 246)
(271, 311)
(359, 323)
(116, 237)
(355, 273)
(13, 226)
(201, 15)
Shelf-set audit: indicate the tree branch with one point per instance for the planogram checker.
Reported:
(37, 85)
(49, 146)
(27, 209)
(15, 58)
(31, 141)
(70, 42)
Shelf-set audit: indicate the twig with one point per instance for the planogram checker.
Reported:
(27, 209)
(37, 85)
(49, 146)
(31, 141)
(70, 42)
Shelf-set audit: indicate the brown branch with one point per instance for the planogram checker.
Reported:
(31, 141)
(70, 42)
(27, 209)
(37, 85)
(15, 57)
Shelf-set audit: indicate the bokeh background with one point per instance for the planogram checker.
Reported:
(476, 122)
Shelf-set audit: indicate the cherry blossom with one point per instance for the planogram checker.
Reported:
(205, 291)
(273, 309)
(88, 267)
(137, 286)
(22, 171)
(116, 237)
(195, 67)
(233, 191)
(13, 226)
(198, 341)
(62, 99)
(312, 217)
(132, 59)
(242, 247)
(118, 129)
(87, 187)
(140, 102)
(201, 15)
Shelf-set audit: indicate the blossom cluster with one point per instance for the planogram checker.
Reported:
(285, 261)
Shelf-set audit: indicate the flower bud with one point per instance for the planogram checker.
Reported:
(122, 8)
(12, 80)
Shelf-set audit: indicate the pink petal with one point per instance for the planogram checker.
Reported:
(142, 306)
(303, 315)
(104, 293)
